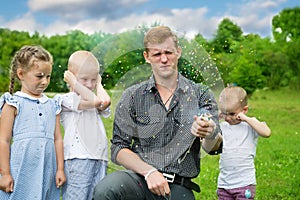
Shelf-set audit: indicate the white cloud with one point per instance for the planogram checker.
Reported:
(254, 16)
(40, 5)
(185, 21)
(75, 10)
(253, 24)
(268, 4)
(24, 23)
(80, 15)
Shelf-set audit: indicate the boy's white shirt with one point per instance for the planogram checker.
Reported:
(237, 167)
(85, 135)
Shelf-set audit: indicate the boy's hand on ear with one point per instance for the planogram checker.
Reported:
(70, 78)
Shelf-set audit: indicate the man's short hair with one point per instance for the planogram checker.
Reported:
(158, 35)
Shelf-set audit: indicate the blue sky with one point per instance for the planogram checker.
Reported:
(51, 17)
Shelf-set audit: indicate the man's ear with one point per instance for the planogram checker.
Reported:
(20, 73)
(145, 54)
(179, 50)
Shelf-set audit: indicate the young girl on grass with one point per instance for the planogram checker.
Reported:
(31, 145)
(85, 138)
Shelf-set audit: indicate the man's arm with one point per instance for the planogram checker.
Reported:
(132, 161)
(123, 131)
(213, 146)
(206, 124)
(157, 183)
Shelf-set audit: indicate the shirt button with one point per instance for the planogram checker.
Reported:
(38, 102)
(40, 114)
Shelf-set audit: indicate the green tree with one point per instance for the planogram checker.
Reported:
(61, 47)
(293, 54)
(12, 41)
(243, 66)
(119, 54)
(286, 25)
(286, 32)
(227, 33)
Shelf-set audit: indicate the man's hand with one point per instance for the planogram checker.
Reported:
(202, 126)
(158, 184)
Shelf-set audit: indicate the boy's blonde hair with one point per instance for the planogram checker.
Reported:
(79, 58)
(234, 94)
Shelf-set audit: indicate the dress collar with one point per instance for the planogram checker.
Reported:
(42, 99)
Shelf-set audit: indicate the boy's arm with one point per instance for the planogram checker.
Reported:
(260, 127)
(103, 95)
(89, 99)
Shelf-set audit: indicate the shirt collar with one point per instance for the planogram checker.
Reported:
(42, 99)
(182, 83)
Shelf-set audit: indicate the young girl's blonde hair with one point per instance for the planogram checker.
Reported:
(25, 58)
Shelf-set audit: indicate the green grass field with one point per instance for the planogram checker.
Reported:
(277, 159)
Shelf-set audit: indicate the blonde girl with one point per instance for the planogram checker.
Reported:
(31, 145)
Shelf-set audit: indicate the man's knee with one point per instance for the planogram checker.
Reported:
(103, 189)
(99, 192)
(109, 186)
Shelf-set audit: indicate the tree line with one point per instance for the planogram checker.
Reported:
(247, 60)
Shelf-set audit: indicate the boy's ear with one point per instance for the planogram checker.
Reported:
(245, 109)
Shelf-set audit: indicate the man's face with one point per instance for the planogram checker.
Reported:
(163, 58)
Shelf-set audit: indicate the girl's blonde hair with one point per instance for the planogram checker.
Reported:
(25, 59)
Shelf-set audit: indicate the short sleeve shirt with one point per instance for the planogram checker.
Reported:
(85, 135)
(237, 159)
